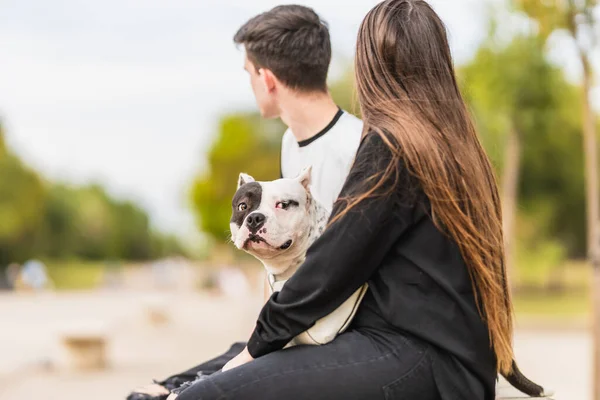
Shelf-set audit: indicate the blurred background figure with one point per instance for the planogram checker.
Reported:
(124, 126)
(34, 276)
(12, 274)
(162, 273)
(113, 275)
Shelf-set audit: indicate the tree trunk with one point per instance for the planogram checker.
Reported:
(593, 210)
(510, 194)
(596, 327)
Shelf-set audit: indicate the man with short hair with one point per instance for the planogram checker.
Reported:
(287, 55)
(288, 52)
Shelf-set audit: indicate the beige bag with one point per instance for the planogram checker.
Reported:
(328, 327)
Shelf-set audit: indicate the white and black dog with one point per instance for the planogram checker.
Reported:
(277, 222)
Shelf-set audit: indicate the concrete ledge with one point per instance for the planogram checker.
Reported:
(506, 392)
(84, 346)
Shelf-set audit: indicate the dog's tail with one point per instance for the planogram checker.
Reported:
(523, 384)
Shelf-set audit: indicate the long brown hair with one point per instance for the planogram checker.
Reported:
(407, 88)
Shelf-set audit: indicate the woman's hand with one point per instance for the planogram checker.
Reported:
(238, 360)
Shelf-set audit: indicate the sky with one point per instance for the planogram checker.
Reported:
(128, 92)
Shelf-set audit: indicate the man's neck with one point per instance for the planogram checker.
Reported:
(307, 115)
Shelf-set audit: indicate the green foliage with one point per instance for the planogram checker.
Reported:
(549, 14)
(572, 298)
(556, 15)
(43, 219)
(344, 93)
(539, 256)
(87, 223)
(577, 19)
(69, 275)
(21, 193)
(515, 87)
(568, 304)
(245, 143)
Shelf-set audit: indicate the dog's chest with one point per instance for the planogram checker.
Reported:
(274, 285)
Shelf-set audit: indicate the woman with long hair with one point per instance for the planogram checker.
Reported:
(419, 220)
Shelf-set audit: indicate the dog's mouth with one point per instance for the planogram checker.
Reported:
(254, 238)
(286, 245)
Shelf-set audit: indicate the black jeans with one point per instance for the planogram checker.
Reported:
(206, 368)
(360, 364)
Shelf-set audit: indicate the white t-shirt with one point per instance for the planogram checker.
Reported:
(329, 152)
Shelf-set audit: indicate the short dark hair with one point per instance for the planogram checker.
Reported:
(293, 42)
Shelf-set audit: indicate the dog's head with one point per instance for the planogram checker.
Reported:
(273, 220)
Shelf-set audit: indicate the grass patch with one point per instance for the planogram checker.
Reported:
(569, 304)
(565, 294)
(75, 274)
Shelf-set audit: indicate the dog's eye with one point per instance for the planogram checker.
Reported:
(282, 205)
(286, 204)
(242, 207)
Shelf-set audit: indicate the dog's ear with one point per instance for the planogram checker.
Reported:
(305, 177)
(243, 179)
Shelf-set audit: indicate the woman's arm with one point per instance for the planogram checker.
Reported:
(341, 260)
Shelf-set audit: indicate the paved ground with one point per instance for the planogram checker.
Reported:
(201, 326)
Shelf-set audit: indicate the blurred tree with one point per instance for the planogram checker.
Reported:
(21, 193)
(245, 143)
(57, 236)
(344, 94)
(42, 219)
(87, 223)
(577, 19)
(94, 223)
(3, 149)
(132, 237)
(164, 245)
(519, 100)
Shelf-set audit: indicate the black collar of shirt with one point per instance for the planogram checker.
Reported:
(335, 119)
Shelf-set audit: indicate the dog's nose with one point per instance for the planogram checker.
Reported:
(255, 221)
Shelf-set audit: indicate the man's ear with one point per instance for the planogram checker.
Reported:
(268, 79)
(305, 177)
(243, 179)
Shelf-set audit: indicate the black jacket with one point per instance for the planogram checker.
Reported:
(418, 282)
